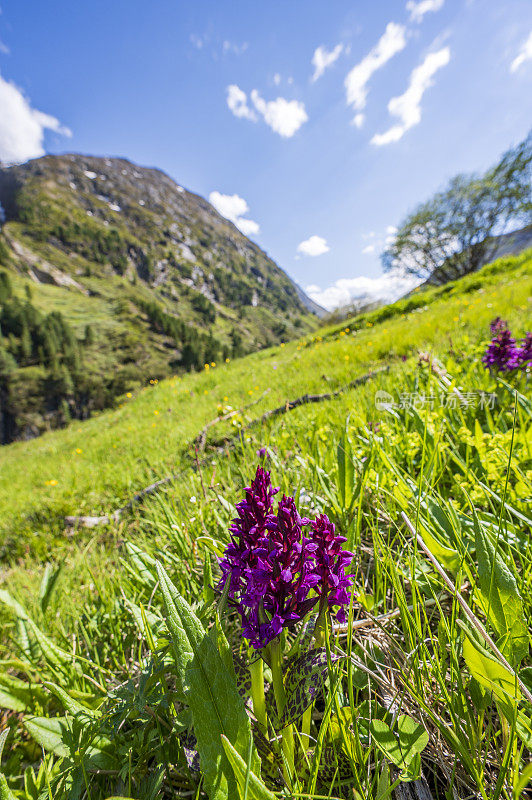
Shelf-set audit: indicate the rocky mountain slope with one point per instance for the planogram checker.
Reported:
(114, 275)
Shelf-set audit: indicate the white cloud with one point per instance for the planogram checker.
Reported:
(313, 246)
(392, 41)
(233, 208)
(22, 127)
(277, 79)
(407, 106)
(387, 288)
(369, 248)
(237, 101)
(525, 54)
(285, 117)
(323, 58)
(419, 9)
(234, 49)
(358, 120)
(197, 41)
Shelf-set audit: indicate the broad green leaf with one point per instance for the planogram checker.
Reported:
(492, 675)
(210, 691)
(51, 652)
(10, 702)
(69, 704)
(5, 791)
(447, 556)
(140, 565)
(9, 601)
(54, 735)
(303, 680)
(18, 695)
(49, 733)
(250, 787)
(501, 600)
(402, 744)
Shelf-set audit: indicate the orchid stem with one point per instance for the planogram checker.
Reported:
(321, 624)
(257, 692)
(305, 724)
(280, 701)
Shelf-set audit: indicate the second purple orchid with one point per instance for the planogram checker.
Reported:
(503, 353)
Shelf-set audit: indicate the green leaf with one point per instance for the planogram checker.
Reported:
(524, 780)
(500, 595)
(3, 737)
(69, 704)
(55, 736)
(5, 791)
(492, 675)
(208, 591)
(346, 471)
(303, 680)
(9, 601)
(18, 695)
(52, 653)
(140, 566)
(384, 784)
(402, 744)
(210, 691)
(49, 733)
(49, 579)
(447, 556)
(250, 787)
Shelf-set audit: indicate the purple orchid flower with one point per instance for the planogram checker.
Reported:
(278, 573)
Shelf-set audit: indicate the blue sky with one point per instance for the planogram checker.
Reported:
(323, 123)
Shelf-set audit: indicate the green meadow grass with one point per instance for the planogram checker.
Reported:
(92, 467)
(461, 473)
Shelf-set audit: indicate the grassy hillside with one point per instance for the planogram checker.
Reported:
(148, 278)
(459, 467)
(148, 436)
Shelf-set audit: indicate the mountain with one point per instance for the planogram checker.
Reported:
(112, 275)
(513, 243)
(505, 244)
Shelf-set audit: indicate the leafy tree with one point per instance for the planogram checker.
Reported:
(89, 336)
(4, 251)
(7, 363)
(455, 232)
(25, 344)
(237, 347)
(212, 348)
(6, 289)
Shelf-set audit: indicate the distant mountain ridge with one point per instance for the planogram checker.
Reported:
(164, 282)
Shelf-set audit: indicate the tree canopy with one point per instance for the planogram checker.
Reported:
(455, 231)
